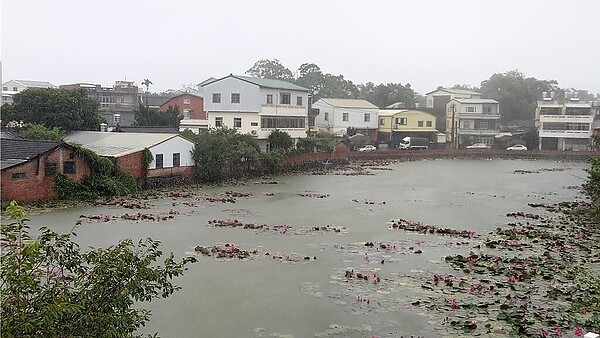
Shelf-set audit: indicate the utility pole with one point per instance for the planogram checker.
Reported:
(452, 144)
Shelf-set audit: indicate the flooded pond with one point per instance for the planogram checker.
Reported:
(311, 237)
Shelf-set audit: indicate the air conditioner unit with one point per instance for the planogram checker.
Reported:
(253, 132)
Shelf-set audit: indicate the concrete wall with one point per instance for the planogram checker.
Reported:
(168, 148)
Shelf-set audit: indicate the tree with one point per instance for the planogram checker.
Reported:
(385, 95)
(281, 140)
(50, 288)
(270, 69)
(516, 94)
(311, 77)
(36, 131)
(61, 108)
(218, 149)
(147, 83)
(144, 116)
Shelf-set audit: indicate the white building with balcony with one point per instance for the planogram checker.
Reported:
(256, 106)
(337, 115)
(474, 121)
(564, 126)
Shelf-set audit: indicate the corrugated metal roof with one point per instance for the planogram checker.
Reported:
(113, 144)
(476, 100)
(349, 103)
(37, 84)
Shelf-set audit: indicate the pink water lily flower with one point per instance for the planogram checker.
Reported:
(578, 332)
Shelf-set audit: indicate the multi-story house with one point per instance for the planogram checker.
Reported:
(337, 115)
(256, 106)
(396, 124)
(472, 121)
(191, 111)
(117, 103)
(564, 126)
(436, 101)
(12, 87)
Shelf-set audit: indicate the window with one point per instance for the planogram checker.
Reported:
(345, 117)
(186, 114)
(237, 122)
(235, 97)
(186, 101)
(401, 121)
(367, 117)
(69, 167)
(216, 97)
(159, 161)
(176, 160)
(15, 89)
(467, 125)
(420, 124)
(487, 110)
(471, 109)
(483, 125)
(5, 89)
(253, 124)
(50, 169)
(283, 122)
(285, 98)
(381, 122)
(429, 124)
(269, 98)
(17, 176)
(326, 116)
(218, 122)
(298, 100)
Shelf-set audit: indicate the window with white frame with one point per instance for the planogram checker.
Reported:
(367, 117)
(186, 114)
(218, 121)
(15, 89)
(254, 124)
(345, 117)
(401, 121)
(487, 110)
(269, 98)
(467, 125)
(216, 98)
(471, 109)
(298, 100)
(381, 122)
(187, 101)
(429, 124)
(235, 97)
(420, 124)
(159, 160)
(5, 89)
(326, 116)
(237, 122)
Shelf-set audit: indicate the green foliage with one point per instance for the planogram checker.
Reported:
(36, 131)
(532, 141)
(281, 140)
(188, 134)
(217, 150)
(592, 187)
(270, 69)
(306, 145)
(95, 186)
(98, 164)
(517, 94)
(62, 108)
(144, 116)
(50, 288)
(324, 141)
(384, 95)
(147, 159)
(272, 161)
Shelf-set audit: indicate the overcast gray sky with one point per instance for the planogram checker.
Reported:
(425, 43)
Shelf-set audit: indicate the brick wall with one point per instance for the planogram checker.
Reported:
(132, 164)
(183, 172)
(28, 182)
(196, 105)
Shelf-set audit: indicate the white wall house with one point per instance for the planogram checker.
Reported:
(336, 115)
(564, 126)
(476, 119)
(12, 87)
(256, 106)
(439, 97)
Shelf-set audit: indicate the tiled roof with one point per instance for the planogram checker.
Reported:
(456, 91)
(476, 101)
(349, 103)
(114, 144)
(15, 151)
(37, 84)
(264, 83)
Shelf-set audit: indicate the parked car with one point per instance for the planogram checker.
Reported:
(368, 147)
(478, 146)
(517, 147)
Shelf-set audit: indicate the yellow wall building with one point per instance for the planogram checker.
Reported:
(395, 124)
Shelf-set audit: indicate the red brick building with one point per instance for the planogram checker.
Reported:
(191, 106)
(28, 168)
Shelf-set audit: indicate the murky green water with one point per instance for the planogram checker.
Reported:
(265, 297)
